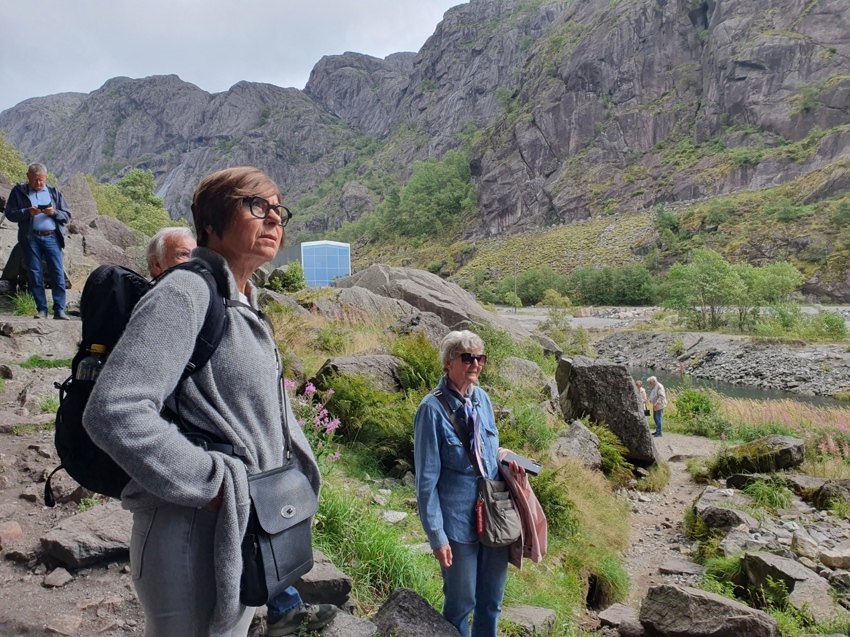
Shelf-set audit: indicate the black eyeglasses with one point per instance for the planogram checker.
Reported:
(260, 208)
(468, 358)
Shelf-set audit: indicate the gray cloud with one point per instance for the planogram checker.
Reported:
(55, 46)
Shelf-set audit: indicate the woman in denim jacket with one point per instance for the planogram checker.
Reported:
(474, 575)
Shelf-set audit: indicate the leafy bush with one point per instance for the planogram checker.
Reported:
(676, 347)
(559, 509)
(133, 201)
(292, 280)
(692, 402)
(614, 463)
(373, 418)
(421, 370)
(331, 339)
(12, 163)
(554, 299)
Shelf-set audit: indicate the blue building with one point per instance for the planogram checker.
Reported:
(325, 261)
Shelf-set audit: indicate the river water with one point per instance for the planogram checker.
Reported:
(731, 390)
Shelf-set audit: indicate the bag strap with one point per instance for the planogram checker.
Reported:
(438, 393)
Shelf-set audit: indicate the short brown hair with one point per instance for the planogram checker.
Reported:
(218, 195)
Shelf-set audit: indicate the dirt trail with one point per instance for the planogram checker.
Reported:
(656, 524)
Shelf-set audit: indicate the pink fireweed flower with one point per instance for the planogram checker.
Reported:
(301, 422)
(309, 390)
(289, 384)
(330, 392)
(332, 426)
(333, 457)
(723, 436)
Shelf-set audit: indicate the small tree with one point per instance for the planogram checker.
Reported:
(293, 279)
(704, 288)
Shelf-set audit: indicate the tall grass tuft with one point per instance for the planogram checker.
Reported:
(614, 463)
(770, 494)
(421, 370)
(371, 552)
(24, 304)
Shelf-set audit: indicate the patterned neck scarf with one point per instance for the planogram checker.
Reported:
(473, 424)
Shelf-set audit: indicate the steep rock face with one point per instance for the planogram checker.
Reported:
(575, 109)
(182, 133)
(610, 84)
(363, 91)
(31, 121)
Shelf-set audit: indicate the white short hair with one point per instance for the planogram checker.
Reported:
(457, 342)
(156, 246)
(36, 169)
(652, 379)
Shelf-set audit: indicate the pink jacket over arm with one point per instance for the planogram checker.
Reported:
(532, 543)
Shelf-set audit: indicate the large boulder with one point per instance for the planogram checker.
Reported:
(359, 303)
(579, 443)
(606, 393)
(425, 323)
(325, 583)
(766, 455)
(680, 611)
(427, 292)
(381, 369)
(102, 532)
(406, 613)
(808, 592)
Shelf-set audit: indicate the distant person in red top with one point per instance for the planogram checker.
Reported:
(168, 247)
(41, 214)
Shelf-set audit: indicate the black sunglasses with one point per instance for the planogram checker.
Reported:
(468, 358)
(260, 208)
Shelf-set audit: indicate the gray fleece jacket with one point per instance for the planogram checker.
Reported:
(235, 396)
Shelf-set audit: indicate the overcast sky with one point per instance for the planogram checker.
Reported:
(53, 46)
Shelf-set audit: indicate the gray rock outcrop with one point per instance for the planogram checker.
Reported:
(406, 613)
(719, 509)
(429, 293)
(807, 591)
(381, 369)
(606, 393)
(102, 532)
(831, 491)
(679, 611)
(768, 454)
(579, 443)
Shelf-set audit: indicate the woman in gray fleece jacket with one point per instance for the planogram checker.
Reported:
(190, 506)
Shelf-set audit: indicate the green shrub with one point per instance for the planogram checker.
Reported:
(421, 370)
(374, 419)
(614, 463)
(331, 339)
(12, 163)
(133, 201)
(560, 511)
(676, 347)
(290, 281)
(692, 402)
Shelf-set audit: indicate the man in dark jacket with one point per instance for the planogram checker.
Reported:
(41, 214)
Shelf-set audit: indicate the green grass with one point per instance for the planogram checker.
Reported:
(24, 304)
(37, 362)
(770, 494)
(48, 404)
(88, 503)
(657, 480)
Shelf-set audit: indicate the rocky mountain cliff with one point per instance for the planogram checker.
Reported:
(569, 109)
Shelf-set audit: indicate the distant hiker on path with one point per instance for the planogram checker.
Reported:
(41, 214)
(643, 400)
(168, 247)
(658, 398)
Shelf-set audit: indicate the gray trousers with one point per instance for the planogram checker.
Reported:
(171, 556)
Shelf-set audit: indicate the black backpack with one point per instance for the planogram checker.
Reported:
(109, 296)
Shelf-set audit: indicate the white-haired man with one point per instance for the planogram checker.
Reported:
(168, 247)
(658, 398)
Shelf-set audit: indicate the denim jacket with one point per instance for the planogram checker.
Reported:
(446, 483)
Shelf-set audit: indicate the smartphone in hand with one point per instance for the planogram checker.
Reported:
(44, 206)
(531, 467)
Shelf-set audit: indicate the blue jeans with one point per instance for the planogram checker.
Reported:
(39, 247)
(279, 606)
(656, 416)
(475, 583)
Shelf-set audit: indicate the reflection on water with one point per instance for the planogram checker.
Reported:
(728, 389)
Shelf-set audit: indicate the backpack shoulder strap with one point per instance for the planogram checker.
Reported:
(438, 393)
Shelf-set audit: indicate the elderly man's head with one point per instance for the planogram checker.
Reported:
(36, 176)
(169, 247)
(652, 380)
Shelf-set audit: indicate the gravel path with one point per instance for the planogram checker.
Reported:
(656, 524)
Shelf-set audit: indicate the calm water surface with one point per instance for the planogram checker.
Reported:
(731, 390)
